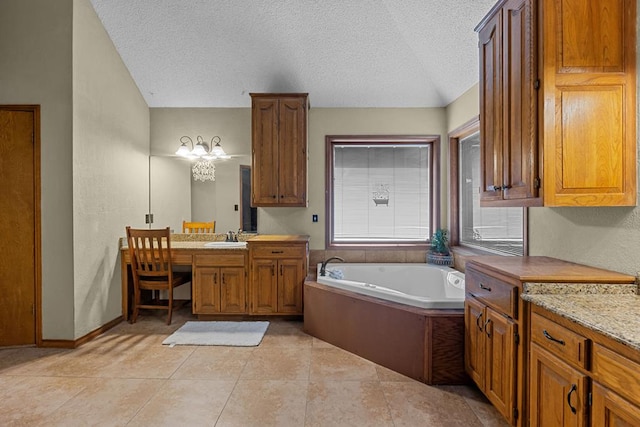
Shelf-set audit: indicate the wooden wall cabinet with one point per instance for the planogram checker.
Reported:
(278, 271)
(279, 149)
(576, 379)
(491, 339)
(219, 284)
(558, 82)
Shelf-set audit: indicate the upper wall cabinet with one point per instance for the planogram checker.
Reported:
(558, 82)
(279, 149)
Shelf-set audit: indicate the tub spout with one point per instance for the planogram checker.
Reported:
(324, 263)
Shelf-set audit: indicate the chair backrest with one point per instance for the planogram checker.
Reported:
(198, 227)
(150, 251)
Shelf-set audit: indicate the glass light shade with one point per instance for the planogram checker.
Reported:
(199, 150)
(218, 151)
(183, 151)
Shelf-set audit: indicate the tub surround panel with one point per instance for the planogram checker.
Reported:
(426, 345)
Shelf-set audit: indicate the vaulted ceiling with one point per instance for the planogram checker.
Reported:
(345, 53)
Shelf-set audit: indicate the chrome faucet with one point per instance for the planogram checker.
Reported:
(232, 237)
(324, 264)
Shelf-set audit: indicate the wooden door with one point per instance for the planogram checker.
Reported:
(206, 290)
(557, 392)
(264, 151)
(520, 147)
(491, 100)
(232, 290)
(264, 286)
(292, 161)
(610, 409)
(474, 340)
(500, 362)
(290, 282)
(589, 102)
(19, 224)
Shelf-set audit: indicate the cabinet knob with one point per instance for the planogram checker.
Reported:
(505, 186)
(495, 188)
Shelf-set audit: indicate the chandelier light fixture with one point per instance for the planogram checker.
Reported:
(204, 154)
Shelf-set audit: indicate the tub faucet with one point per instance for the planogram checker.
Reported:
(324, 263)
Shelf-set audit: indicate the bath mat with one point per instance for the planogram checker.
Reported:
(237, 334)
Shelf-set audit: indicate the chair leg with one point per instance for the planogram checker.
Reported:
(136, 303)
(170, 305)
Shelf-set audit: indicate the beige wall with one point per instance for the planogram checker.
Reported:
(36, 57)
(463, 109)
(110, 167)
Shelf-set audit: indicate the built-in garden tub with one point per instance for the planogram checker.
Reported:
(406, 317)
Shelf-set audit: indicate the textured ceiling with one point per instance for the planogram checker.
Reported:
(345, 53)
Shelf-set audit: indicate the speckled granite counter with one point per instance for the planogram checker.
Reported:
(613, 311)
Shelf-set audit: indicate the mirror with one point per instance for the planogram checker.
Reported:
(174, 196)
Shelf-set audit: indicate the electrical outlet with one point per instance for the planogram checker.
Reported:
(148, 218)
(314, 218)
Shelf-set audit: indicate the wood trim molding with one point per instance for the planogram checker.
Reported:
(82, 340)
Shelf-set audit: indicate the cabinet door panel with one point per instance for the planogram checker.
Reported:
(206, 290)
(555, 388)
(610, 409)
(264, 174)
(290, 282)
(292, 162)
(491, 109)
(474, 340)
(264, 286)
(520, 152)
(232, 288)
(500, 363)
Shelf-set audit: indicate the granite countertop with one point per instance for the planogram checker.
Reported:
(612, 310)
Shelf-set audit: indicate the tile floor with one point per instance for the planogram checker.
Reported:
(126, 377)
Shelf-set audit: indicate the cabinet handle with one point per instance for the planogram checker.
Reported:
(273, 272)
(549, 337)
(215, 277)
(486, 288)
(478, 317)
(486, 327)
(495, 188)
(505, 186)
(223, 278)
(277, 252)
(281, 269)
(573, 388)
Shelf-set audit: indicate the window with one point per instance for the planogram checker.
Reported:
(380, 190)
(497, 229)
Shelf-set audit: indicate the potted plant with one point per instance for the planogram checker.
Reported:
(439, 253)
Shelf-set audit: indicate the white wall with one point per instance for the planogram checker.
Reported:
(110, 168)
(36, 58)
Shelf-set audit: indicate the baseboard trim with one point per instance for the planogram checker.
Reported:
(82, 340)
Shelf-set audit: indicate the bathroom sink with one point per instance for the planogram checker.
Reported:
(223, 245)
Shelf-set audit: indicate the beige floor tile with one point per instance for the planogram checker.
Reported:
(27, 401)
(334, 364)
(28, 361)
(215, 363)
(108, 402)
(156, 361)
(286, 334)
(185, 403)
(484, 410)
(265, 403)
(317, 343)
(347, 403)
(386, 374)
(273, 363)
(414, 403)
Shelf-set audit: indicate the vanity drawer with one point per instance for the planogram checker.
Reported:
(568, 345)
(493, 292)
(278, 251)
(221, 260)
(617, 372)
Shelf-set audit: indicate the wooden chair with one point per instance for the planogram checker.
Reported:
(150, 252)
(198, 227)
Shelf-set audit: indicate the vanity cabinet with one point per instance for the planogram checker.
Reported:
(553, 87)
(279, 149)
(278, 271)
(491, 339)
(579, 377)
(219, 284)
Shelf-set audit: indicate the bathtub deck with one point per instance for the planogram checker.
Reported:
(424, 344)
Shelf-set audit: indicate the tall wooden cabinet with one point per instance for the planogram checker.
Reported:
(558, 82)
(279, 149)
(278, 269)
